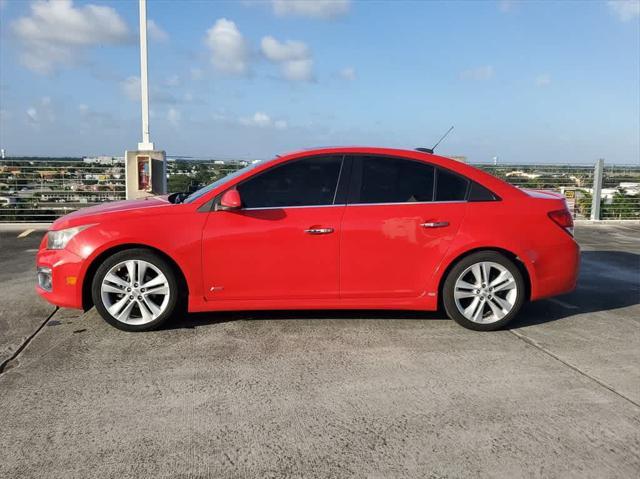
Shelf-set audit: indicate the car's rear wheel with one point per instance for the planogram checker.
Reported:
(135, 290)
(483, 291)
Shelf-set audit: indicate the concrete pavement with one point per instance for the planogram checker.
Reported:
(22, 311)
(338, 394)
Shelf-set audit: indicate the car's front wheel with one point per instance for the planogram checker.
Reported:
(483, 291)
(135, 290)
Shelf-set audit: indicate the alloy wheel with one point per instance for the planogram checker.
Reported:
(135, 292)
(485, 292)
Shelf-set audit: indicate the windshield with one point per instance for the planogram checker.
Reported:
(206, 189)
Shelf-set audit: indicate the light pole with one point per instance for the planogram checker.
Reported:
(146, 144)
(146, 167)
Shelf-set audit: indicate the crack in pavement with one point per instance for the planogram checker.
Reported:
(25, 343)
(536, 345)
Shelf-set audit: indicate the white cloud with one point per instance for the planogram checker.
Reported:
(324, 9)
(42, 112)
(625, 10)
(262, 120)
(174, 116)
(57, 33)
(228, 47)
(155, 32)
(348, 73)
(293, 57)
(131, 88)
(480, 73)
(283, 51)
(543, 80)
(298, 70)
(32, 115)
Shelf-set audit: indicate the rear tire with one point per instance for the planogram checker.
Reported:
(483, 291)
(135, 290)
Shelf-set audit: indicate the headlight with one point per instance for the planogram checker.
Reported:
(59, 239)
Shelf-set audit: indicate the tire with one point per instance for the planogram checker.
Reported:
(497, 301)
(129, 305)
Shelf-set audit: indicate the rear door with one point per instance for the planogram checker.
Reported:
(401, 217)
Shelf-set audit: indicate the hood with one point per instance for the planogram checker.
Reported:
(97, 213)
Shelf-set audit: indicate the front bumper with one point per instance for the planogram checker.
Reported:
(60, 277)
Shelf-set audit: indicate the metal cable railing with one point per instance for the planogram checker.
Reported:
(620, 189)
(41, 190)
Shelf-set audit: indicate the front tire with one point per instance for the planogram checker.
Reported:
(483, 291)
(135, 290)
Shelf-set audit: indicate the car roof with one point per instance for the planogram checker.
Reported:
(497, 185)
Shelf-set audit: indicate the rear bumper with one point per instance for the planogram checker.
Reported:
(66, 282)
(556, 269)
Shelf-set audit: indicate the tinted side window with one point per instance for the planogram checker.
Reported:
(450, 187)
(480, 193)
(394, 180)
(306, 182)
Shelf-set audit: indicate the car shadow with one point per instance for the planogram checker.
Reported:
(191, 320)
(608, 280)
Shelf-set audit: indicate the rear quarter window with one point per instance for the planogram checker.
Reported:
(480, 193)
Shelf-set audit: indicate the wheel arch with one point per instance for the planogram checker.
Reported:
(509, 254)
(87, 301)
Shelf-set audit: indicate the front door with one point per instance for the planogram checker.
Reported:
(284, 241)
(397, 226)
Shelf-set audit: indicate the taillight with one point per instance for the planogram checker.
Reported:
(563, 219)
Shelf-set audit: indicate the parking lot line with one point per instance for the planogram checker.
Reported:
(26, 233)
(542, 349)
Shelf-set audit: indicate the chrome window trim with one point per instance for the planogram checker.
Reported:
(355, 204)
(408, 203)
(289, 207)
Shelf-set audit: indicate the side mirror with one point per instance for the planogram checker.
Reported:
(230, 200)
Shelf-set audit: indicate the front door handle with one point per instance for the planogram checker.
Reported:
(435, 224)
(319, 231)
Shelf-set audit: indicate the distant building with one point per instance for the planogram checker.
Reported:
(103, 160)
(531, 176)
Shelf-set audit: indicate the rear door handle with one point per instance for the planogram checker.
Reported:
(319, 231)
(435, 224)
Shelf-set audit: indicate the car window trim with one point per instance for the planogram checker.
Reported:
(291, 207)
(334, 155)
(355, 185)
(355, 182)
(408, 203)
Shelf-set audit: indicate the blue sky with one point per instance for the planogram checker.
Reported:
(526, 81)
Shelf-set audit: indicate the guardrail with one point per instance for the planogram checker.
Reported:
(41, 190)
(618, 186)
(37, 190)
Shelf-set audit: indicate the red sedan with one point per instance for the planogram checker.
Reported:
(332, 228)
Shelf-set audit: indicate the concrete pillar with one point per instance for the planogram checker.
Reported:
(145, 173)
(597, 189)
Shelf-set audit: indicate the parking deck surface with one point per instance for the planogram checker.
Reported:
(327, 394)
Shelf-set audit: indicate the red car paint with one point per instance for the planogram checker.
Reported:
(377, 257)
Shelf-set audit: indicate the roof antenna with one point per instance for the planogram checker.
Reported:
(430, 150)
